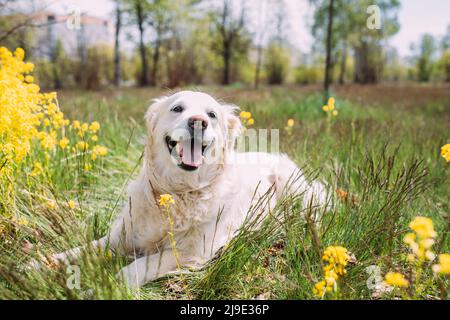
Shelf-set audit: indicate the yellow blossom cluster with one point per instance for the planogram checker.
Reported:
(445, 152)
(336, 258)
(444, 264)
(28, 116)
(289, 126)
(396, 279)
(34, 133)
(329, 108)
(421, 240)
(165, 200)
(246, 118)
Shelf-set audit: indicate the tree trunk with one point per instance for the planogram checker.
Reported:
(226, 63)
(117, 75)
(326, 84)
(143, 81)
(343, 64)
(156, 54)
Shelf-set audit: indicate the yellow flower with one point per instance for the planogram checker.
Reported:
(20, 221)
(445, 152)
(245, 115)
(63, 143)
(82, 145)
(422, 240)
(396, 279)
(94, 127)
(76, 124)
(84, 127)
(251, 121)
(165, 200)
(98, 151)
(330, 107)
(423, 227)
(29, 79)
(337, 258)
(319, 289)
(51, 204)
(94, 138)
(444, 264)
(290, 122)
(71, 204)
(331, 102)
(37, 169)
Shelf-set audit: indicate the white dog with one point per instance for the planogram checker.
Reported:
(190, 155)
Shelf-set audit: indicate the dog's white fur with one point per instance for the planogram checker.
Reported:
(224, 188)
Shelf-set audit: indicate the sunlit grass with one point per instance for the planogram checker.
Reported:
(386, 158)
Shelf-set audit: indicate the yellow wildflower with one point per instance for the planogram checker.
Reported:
(335, 113)
(94, 138)
(421, 241)
(325, 108)
(245, 115)
(290, 122)
(396, 279)
(444, 264)
(337, 258)
(20, 221)
(63, 143)
(37, 169)
(445, 152)
(423, 227)
(251, 121)
(71, 204)
(94, 127)
(51, 204)
(98, 151)
(82, 145)
(165, 200)
(76, 124)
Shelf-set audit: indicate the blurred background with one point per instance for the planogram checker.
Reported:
(242, 43)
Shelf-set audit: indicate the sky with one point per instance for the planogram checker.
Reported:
(416, 17)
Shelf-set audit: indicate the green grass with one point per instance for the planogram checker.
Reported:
(383, 148)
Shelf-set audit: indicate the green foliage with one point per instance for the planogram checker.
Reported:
(425, 63)
(391, 177)
(277, 64)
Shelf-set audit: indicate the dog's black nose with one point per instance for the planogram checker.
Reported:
(198, 121)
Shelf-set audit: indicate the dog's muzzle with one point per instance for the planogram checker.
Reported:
(188, 153)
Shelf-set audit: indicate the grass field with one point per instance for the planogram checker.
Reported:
(383, 149)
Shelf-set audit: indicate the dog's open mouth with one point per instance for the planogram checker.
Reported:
(189, 153)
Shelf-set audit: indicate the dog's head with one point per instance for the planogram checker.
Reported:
(190, 135)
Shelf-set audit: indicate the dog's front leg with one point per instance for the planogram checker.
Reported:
(148, 268)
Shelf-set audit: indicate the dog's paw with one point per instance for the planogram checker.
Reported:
(129, 277)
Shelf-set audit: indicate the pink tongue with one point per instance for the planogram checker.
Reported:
(192, 153)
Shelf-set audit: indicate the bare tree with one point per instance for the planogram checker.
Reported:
(140, 18)
(117, 74)
(261, 30)
(229, 30)
(326, 85)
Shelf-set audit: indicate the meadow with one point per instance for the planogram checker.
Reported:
(380, 156)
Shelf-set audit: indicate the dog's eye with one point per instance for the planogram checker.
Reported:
(177, 109)
(212, 115)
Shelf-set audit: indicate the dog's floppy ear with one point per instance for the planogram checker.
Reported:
(152, 113)
(233, 124)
